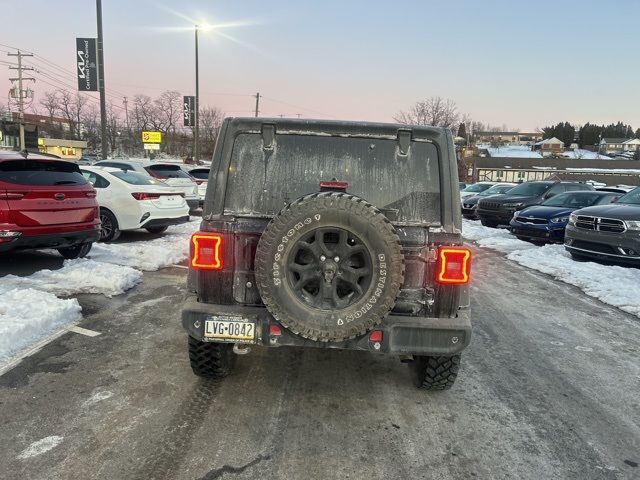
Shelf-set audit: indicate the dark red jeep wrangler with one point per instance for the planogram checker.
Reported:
(330, 235)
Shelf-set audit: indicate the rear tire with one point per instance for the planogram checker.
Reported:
(436, 373)
(211, 360)
(77, 251)
(156, 230)
(109, 229)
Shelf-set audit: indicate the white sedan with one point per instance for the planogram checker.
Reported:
(201, 175)
(129, 200)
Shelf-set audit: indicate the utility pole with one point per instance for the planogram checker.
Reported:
(126, 112)
(257, 103)
(196, 116)
(21, 92)
(103, 100)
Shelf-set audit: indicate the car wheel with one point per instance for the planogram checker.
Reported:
(77, 251)
(109, 230)
(211, 360)
(156, 229)
(329, 266)
(435, 373)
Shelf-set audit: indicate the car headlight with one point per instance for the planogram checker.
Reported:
(572, 219)
(632, 224)
(559, 219)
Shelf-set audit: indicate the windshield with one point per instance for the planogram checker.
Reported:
(200, 174)
(477, 187)
(530, 189)
(166, 171)
(134, 178)
(633, 197)
(496, 190)
(574, 200)
(41, 172)
(261, 181)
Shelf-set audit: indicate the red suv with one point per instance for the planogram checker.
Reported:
(46, 203)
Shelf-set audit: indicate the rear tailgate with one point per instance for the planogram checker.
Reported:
(40, 193)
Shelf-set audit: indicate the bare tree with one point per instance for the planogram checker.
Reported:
(51, 104)
(72, 108)
(210, 122)
(434, 111)
(143, 112)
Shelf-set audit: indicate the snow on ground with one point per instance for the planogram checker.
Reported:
(513, 151)
(617, 286)
(110, 269)
(584, 154)
(19, 327)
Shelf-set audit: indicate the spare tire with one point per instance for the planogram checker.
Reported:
(329, 266)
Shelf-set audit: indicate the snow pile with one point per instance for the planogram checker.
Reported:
(77, 276)
(617, 286)
(27, 315)
(30, 310)
(149, 256)
(513, 151)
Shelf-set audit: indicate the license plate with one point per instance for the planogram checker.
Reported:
(226, 328)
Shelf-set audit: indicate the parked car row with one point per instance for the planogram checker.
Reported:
(601, 224)
(47, 202)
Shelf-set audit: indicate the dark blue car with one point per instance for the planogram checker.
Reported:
(546, 222)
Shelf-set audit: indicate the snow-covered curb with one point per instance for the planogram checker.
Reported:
(30, 307)
(617, 286)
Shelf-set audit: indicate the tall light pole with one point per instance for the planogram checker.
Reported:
(196, 134)
(103, 102)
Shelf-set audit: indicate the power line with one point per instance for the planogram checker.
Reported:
(297, 106)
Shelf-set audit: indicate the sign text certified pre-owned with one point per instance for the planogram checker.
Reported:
(151, 137)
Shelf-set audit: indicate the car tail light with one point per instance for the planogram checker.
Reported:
(145, 196)
(334, 185)
(206, 251)
(91, 194)
(199, 182)
(453, 265)
(11, 196)
(275, 330)
(376, 336)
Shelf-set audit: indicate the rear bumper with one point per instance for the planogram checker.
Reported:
(401, 334)
(57, 240)
(165, 222)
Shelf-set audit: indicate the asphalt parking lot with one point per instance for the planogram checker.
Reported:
(549, 389)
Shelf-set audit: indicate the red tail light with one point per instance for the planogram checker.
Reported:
(145, 196)
(376, 336)
(199, 182)
(334, 185)
(454, 265)
(206, 251)
(11, 196)
(91, 194)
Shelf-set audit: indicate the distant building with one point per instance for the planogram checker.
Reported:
(68, 149)
(10, 135)
(45, 121)
(618, 145)
(610, 172)
(512, 138)
(549, 146)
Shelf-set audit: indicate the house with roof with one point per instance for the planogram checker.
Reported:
(549, 146)
(618, 145)
(508, 138)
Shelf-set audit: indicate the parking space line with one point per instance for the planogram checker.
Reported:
(84, 331)
(181, 266)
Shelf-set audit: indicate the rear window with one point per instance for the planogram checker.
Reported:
(134, 178)
(166, 171)
(41, 172)
(261, 182)
(200, 174)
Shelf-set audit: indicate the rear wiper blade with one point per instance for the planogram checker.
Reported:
(65, 182)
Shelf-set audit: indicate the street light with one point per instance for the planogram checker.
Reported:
(196, 135)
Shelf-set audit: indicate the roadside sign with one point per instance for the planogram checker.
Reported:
(152, 146)
(189, 110)
(87, 64)
(151, 137)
